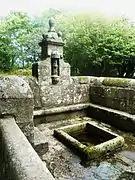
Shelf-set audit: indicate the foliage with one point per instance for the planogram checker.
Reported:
(19, 38)
(18, 41)
(4, 53)
(21, 72)
(99, 46)
(94, 45)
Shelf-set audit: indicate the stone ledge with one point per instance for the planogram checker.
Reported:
(19, 158)
(113, 82)
(61, 109)
(16, 99)
(120, 119)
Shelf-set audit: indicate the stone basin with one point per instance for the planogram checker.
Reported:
(89, 141)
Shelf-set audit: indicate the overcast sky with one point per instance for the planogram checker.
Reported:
(35, 7)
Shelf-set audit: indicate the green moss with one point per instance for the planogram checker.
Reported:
(24, 72)
(78, 129)
(87, 144)
(118, 82)
(113, 92)
(81, 78)
(90, 150)
(89, 153)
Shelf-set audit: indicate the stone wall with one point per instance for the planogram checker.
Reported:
(48, 96)
(34, 85)
(54, 96)
(115, 93)
(43, 74)
(18, 159)
(16, 100)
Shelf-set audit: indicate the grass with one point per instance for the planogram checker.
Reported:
(18, 72)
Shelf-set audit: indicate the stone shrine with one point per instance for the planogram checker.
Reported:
(51, 69)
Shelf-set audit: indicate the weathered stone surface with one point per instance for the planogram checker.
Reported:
(114, 97)
(129, 155)
(65, 165)
(115, 93)
(54, 96)
(44, 72)
(60, 113)
(116, 82)
(52, 41)
(119, 119)
(14, 87)
(64, 69)
(41, 146)
(33, 83)
(112, 142)
(20, 159)
(16, 99)
(61, 109)
(81, 79)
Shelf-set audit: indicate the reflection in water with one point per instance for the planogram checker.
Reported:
(104, 171)
(129, 155)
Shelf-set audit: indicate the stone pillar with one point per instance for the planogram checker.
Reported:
(51, 43)
(16, 99)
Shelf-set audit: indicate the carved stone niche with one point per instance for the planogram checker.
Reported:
(55, 71)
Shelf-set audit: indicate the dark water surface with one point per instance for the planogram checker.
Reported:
(85, 138)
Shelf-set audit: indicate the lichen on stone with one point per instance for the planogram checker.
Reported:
(118, 82)
(77, 129)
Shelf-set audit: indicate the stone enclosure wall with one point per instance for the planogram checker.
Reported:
(18, 159)
(114, 93)
(16, 100)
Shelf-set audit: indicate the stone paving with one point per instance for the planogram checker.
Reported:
(65, 165)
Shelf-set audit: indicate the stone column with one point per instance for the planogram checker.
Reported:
(51, 43)
(16, 99)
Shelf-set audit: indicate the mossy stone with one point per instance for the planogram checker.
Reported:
(118, 82)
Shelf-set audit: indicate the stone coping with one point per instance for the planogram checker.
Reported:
(119, 119)
(122, 113)
(89, 152)
(104, 81)
(22, 160)
(61, 109)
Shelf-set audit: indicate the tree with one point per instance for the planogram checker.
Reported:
(99, 46)
(22, 36)
(5, 64)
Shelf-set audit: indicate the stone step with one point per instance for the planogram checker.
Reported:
(60, 113)
(119, 119)
(61, 109)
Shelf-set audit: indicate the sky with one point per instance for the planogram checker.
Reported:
(36, 7)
